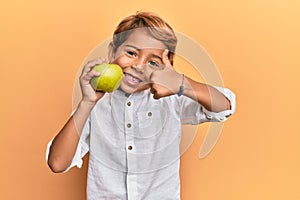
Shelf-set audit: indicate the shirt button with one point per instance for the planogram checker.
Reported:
(208, 116)
(128, 125)
(129, 147)
(149, 114)
(128, 103)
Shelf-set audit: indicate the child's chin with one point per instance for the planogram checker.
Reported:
(142, 88)
(130, 90)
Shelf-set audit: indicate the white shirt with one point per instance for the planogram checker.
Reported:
(133, 142)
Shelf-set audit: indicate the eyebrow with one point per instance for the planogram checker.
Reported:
(132, 46)
(138, 49)
(156, 56)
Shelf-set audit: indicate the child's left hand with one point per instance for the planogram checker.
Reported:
(166, 81)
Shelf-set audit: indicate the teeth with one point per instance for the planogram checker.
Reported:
(133, 78)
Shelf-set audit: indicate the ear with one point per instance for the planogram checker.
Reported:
(111, 52)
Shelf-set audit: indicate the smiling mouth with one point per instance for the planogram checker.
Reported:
(132, 79)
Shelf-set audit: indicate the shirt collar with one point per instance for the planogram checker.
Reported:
(120, 93)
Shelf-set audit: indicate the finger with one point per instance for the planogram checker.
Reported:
(95, 61)
(91, 75)
(152, 90)
(90, 64)
(148, 72)
(165, 59)
(156, 95)
(155, 88)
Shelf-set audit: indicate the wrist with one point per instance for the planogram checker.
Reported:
(83, 109)
(86, 104)
(181, 87)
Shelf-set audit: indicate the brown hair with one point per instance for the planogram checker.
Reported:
(155, 26)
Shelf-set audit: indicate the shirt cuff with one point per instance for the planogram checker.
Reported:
(77, 161)
(223, 115)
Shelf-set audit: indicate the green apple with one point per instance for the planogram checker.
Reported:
(110, 78)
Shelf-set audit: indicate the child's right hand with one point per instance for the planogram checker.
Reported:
(89, 95)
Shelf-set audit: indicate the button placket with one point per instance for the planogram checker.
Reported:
(129, 125)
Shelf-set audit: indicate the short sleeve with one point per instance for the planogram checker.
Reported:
(222, 116)
(82, 148)
(194, 113)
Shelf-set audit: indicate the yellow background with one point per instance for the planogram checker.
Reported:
(255, 45)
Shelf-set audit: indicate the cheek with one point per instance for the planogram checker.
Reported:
(123, 62)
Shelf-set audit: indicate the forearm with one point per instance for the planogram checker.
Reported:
(206, 95)
(65, 143)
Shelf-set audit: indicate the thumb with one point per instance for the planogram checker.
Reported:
(166, 60)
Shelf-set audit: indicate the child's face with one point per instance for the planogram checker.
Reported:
(138, 56)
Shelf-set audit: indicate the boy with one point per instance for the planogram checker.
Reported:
(133, 134)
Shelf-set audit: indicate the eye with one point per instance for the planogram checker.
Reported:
(153, 63)
(131, 53)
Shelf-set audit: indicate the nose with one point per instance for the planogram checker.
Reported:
(139, 65)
